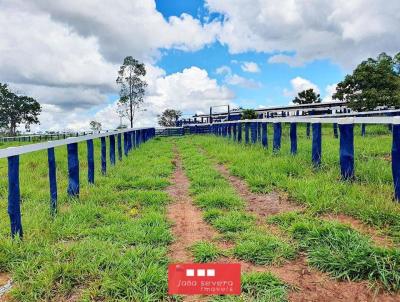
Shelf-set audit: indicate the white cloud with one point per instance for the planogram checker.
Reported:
(223, 70)
(67, 53)
(292, 61)
(236, 80)
(299, 84)
(251, 67)
(329, 91)
(343, 31)
(191, 91)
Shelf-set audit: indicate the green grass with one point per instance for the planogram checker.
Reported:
(224, 210)
(204, 251)
(341, 251)
(258, 286)
(368, 198)
(262, 248)
(111, 244)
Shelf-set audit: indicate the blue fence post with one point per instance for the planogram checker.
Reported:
(335, 130)
(246, 132)
(347, 149)
(308, 130)
(293, 138)
(103, 155)
(253, 126)
(396, 158)
(240, 132)
(259, 131)
(125, 144)
(14, 197)
(264, 138)
(277, 136)
(362, 129)
(119, 140)
(90, 160)
(73, 170)
(316, 144)
(234, 130)
(52, 180)
(112, 149)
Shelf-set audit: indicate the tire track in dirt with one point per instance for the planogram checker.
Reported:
(309, 284)
(188, 224)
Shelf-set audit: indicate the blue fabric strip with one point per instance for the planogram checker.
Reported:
(293, 138)
(396, 161)
(277, 136)
(112, 149)
(316, 144)
(264, 138)
(52, 180)
(90, 160)
(119, 139)
(103, 155)
(73, 170)
(347, 151)
(14, 197)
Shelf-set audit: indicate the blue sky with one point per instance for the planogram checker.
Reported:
(273, 78)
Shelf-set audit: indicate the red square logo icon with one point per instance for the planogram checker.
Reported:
(204, 279)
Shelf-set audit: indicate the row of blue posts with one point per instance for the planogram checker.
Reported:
(346, 152)
(131, 140)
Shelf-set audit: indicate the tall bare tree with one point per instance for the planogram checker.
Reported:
(132, 87)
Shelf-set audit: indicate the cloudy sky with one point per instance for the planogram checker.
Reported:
(248, 53)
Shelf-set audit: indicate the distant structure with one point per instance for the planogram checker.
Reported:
(324, 109)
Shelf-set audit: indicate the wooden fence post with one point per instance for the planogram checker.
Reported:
(90, 160)
(119, 140)
(103, 155)
(316, 144)
(14, 197)
(277, 136)
(246, 132)
(112, 149)
(253, 126)
(346, 153)
(264, 138)
(52, 180)
(239, 134)
(293, 138)
(335, 130)
(73, 170)
(396, 158)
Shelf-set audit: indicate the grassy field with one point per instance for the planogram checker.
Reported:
(111, 244)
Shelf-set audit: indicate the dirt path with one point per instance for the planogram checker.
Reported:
(5, 286)
(309, 284)
(188, 224)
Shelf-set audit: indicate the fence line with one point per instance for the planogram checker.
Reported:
(256, 130)
(133, 138)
